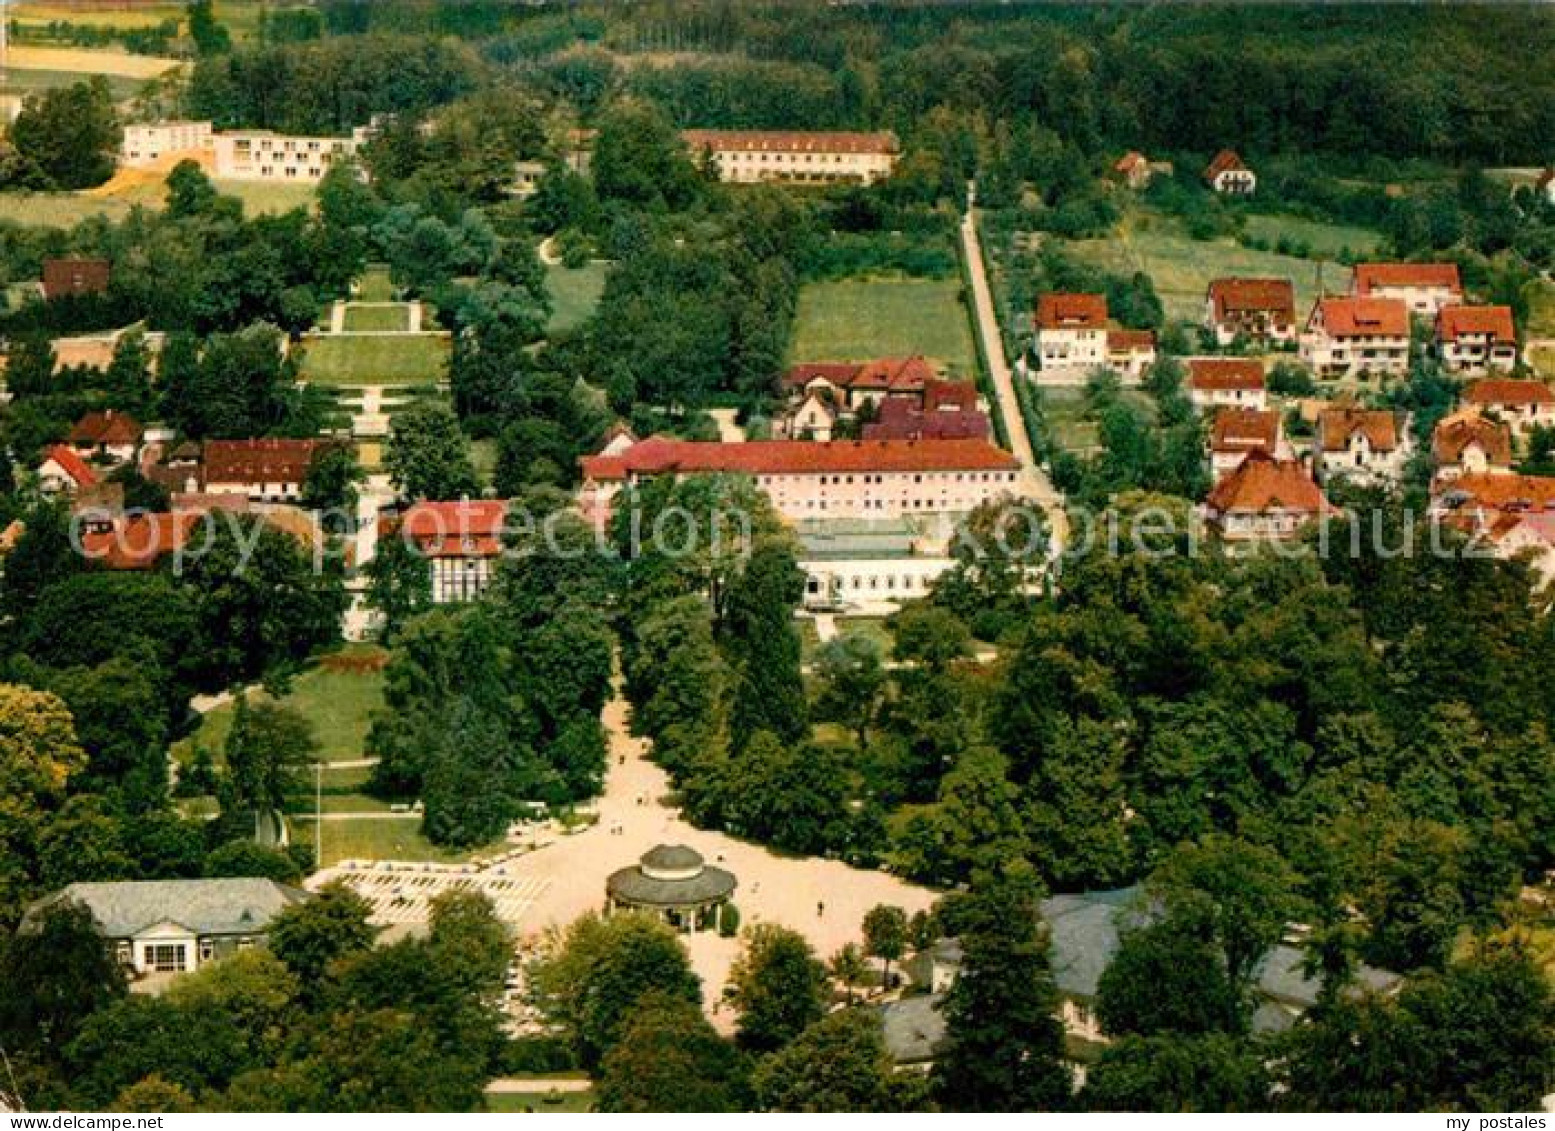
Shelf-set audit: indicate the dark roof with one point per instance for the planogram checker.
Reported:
(236, 906)
(670, 875)
(75, 277)
(671, 858)
(914, 1028)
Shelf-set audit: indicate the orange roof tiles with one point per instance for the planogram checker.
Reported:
(893, 374)
(1335, 426)
(260, 461)
(1456, 321)
(1364, 317)
(1057, 311)
(660, 454)
(1369, 276)
(1262, 484)
(1226, 161)
(1236, 295)
(1504, 492)
(1245, 430)
(1217, 373)
(110, 429)
(1130, 340)
(460, 529)
(1455, 433)
(1508, 391)
(1130, 161)
(71, 464)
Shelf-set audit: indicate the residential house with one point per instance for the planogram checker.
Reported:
(899, 394)
(1469, 443)
(139, 540)
(174, 926)
(65, 278)
(1365, 445)
(1513, 514)
(1237, 432)
(1523, 404)
(1133, 170)
(261, 155)
(63, 472)
(1260, 309)
(1265, 499)
(527, 176)
(1423, 287)
(1071, 330)
(796, 157)
(1226, 382)
(1476, 339)
(1348, 337)
(1227, 174)
(268, 470)
(108, 437)
(147, 143)
(1131, 352)
(949, 411)
(462, 540)
(809, 479)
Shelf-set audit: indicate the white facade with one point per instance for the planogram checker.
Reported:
(751, 157)
(456, 579)
(146, 143)
(1477, 354)
(1361, 460)
(263, 156)
(1071, 346)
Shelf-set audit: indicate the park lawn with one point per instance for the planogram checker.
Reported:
(381, 318)
(337, 704)
(1181, 268)
(267, 198)
(859, 319)
(1323, 238)
(541, 1103)
(574, 293)
(373, 838)
(401, 359)
(375, 285)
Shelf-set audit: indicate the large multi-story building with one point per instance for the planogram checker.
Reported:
(1261, 309)
(808, 479)
(265, 471)
(1423, 287)
(146, 143)
(259, 155)
(1346, 337)
(1476, 339)
(800, 157)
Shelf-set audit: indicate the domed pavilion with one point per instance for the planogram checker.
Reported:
(674, 883)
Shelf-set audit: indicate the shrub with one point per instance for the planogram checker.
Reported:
(728, 921)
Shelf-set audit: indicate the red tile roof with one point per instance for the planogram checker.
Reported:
(1131, 341)
(1364, 317)
(1262, 483)
(1245, 430)
(901, 419)
(660, 454)
(1508, 391)
(138, 541)
(462, 529)
(1226, 161)
(1235, 295)
(791, 141)
(1335, 426)
(1455, 433)
(260, 461)
(1071, 311)
(71, 464)
(1455, 321)
(1503, 492)
(892, 374)
(1215, 373)
(1130, 161)
(949, 396)
(1369, 276)
(78, 276)
(105, 429)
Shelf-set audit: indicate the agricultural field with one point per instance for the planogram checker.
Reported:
(114, 201)
(1182, 268)
(19, 83)
(240, 16)
(574, 293)
(401, 359)
(858, 319)
(395, 318)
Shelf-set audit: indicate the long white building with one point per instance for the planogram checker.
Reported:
(260, 155)
(817, 157)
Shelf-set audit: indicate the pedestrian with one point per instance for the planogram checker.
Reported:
(820, 909)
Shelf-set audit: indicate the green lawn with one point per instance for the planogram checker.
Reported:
(359, 317)
(375, 285)
(67, 209)
(1182, 268)
(1323, 239)
(574, 293)
(858, 319)
(267, 198)
(565, 1103)
(394, 838)
(337, 704)
(1541, 308)
(1064, 409)
(400, 360)
(31, 81)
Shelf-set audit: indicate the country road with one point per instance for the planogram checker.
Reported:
(1035, 482)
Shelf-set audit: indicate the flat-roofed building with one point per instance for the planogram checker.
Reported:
(259, 155)
(146, 143)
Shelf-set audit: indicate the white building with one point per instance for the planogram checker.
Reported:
(1423, 287)
(800, 157)
(870, 566)
(174, 926)
(146, 143)
(1226, 382)
(1469, 443)
(1071, 331)
(1226, 174)
(1346, 337)
(259, 155)
(1360, 444)
(1476, 339)
(1523, 405)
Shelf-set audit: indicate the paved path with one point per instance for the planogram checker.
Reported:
(1034, 481)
